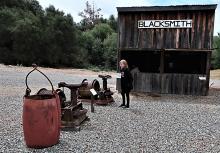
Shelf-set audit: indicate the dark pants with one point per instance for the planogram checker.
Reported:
(127, 97)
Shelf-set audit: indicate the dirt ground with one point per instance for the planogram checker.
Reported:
(215, 74)
(215, 79)
(83, 73)
(80, 72)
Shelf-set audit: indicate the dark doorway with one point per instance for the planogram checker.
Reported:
(185, 62)
(145, 61)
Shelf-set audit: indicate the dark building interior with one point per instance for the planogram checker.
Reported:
(174, 61)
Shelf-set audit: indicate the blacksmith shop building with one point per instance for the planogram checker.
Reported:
(168, 48)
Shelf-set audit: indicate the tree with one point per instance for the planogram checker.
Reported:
(13, 4)
(60, 39)
(91, 16)
(86, 42)
(112, 21)
(26, 39)
(217, 51)
(7, 22)
(97, 53)
(28, 34)
(92, 41)
(101, 31)
(34, 7)
(110, 51)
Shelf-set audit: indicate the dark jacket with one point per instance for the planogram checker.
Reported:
(126, 80)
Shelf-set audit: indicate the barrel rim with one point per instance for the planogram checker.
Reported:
(40, 97)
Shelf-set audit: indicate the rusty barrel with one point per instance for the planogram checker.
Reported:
(41, 117)
(84, 91)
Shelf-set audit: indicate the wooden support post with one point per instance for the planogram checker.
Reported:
(118, 46)
(161, 70)
(208, 65)
(92, 104)
(162, 61)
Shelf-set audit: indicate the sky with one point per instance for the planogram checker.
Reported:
(109, 6)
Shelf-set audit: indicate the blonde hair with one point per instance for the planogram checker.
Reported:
(124, 62)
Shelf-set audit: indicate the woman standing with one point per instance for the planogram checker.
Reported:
(126, 83)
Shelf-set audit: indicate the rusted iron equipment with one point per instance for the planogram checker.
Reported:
(73, 113)
(104, 95)
(84, 91)
(41, 116)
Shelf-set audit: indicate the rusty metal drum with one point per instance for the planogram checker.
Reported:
(41, 117)
(84, 91)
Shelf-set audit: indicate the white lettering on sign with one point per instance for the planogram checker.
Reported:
(165, 24)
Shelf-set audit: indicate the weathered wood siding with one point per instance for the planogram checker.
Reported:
(188, 84)
(200, 36)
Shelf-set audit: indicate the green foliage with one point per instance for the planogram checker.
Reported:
(97, 42)
(101, 31)
(29, 34)
(216, 53)
(13, 4)
(26, 5)
(91, 16)
(110, 51)
(113, 22)
(94, 68)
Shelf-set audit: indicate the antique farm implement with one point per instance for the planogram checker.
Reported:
(104, 94)
(72, 111)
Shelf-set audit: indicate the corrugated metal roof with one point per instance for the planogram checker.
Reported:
(167, 8)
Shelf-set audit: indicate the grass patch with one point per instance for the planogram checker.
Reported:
(99, 68)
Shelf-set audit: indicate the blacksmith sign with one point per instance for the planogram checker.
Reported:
(165, 24)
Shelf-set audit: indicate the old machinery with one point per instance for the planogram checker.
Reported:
(104, 94)
(73, 113)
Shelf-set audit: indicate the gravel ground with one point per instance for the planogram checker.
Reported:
(215, 83)
(170, 123)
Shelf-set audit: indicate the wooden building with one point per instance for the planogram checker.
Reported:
(168, 48)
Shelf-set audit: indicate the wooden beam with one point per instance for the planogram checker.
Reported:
(189, 50)
(166, 50)
(208, 66)
(162, 62)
